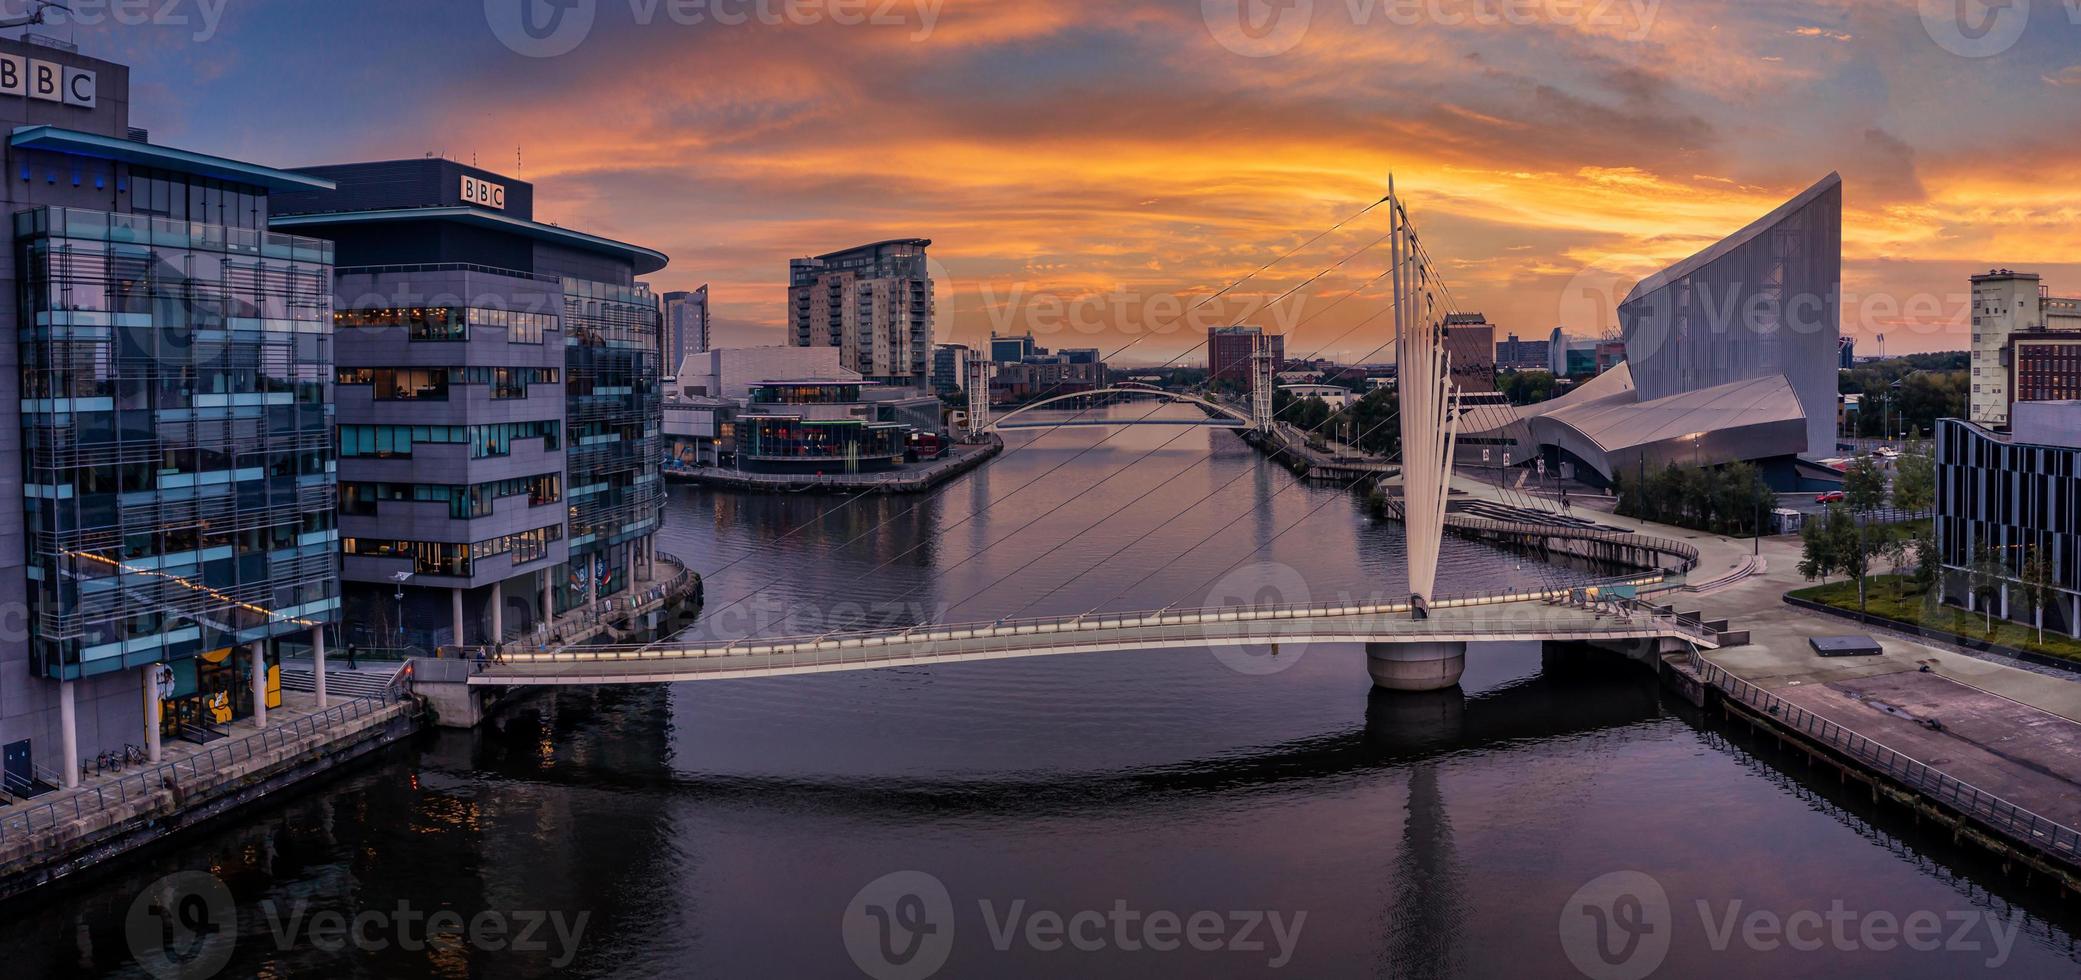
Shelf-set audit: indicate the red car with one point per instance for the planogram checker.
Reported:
(1831, 497)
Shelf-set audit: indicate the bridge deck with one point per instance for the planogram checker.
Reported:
(1521, 618)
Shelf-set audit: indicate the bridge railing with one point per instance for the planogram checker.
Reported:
(2038, 832)
(1199, 619)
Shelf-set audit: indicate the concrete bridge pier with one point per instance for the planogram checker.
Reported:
(1416, 666)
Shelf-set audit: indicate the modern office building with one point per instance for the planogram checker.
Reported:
(2010, 309)
(166, 409)
(499, 404)
(874, 303)
(1471, 343)
(1013, 348)
(1728, 355)
(1229, 350)
(1522, 355)
(1044, 376)
(2007, 497)
(685, 328)
(816, 426)
(950, 368)
(1846, 353)
(713, 416)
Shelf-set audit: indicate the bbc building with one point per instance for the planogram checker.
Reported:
(166, 403)
(499, 404)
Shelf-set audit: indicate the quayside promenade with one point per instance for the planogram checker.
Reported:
(2006, 730)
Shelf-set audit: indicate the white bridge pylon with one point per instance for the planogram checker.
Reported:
(1429, 412)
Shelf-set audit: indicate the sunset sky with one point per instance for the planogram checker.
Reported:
(1089, 169)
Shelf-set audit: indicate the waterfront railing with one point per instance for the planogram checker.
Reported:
(145, 783)
(2038, 832)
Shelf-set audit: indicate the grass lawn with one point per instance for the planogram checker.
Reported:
(1894, 596)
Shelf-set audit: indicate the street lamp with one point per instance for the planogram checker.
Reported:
(400, 578)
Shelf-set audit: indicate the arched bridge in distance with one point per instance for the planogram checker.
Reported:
(1224, 417)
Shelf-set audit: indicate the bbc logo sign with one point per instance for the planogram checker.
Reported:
(34, 78)
(483, 192)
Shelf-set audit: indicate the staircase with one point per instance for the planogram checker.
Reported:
(339, 683)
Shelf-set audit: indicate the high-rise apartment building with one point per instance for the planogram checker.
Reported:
(950, 368)
(167, 399)
(686, 325)
(1471, 343)
(873, 303)
(2017, 321)
(499, 407)
(1229, 350)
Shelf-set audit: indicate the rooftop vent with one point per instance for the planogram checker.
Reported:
(138, 135)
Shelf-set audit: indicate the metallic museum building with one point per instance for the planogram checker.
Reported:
(1730, 355)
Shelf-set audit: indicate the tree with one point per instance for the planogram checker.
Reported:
(1989, 575)
(2040, 587)
(1853, 545)
(1899, 550)
(1817, 558)
(1928, 561)
(1864, 486)
(1914, 482)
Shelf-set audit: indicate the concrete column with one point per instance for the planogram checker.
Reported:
(548, 596)
(68, 735)
(318, 661)
(259, 683)
(632, 571)
(2074, 616)
(1416, 666)
(150, 676)
(455, 612)
(498, 613)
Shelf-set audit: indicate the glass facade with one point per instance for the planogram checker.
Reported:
(438, 323)
(464, 502)
(458, 560)
(178, 456)
(839, 445)
(613, 446)
(805, 393)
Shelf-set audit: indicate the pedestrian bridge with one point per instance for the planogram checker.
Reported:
(1555, 615)
(1219, 415)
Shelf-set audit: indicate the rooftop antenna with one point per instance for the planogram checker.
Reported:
(34, 16)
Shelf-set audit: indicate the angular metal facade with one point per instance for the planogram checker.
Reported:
(1766, 301)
